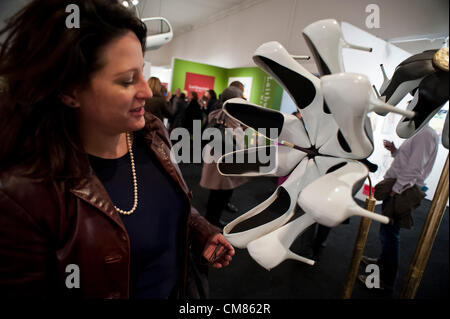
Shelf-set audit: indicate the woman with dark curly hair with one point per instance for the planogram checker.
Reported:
(87, 187)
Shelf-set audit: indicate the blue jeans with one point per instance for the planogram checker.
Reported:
(390, 253)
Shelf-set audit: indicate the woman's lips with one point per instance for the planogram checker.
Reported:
(139, 111)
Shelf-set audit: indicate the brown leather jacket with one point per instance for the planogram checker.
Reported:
(46, 227)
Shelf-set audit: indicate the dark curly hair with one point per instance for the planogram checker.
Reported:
(41, 59)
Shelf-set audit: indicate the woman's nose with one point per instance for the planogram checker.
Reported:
(144, 91)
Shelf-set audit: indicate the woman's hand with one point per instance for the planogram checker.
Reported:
(218, 251)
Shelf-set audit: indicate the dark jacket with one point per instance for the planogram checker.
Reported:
(193, 112)
(44, 227)
(179, 112)
(400, 206)
(159, 107)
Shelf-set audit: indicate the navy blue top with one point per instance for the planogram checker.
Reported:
(154, 227)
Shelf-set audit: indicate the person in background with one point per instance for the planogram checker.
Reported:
(91, 204)
(167, 94)
(221, 187)
(179, 111)
(175, 96)
(212, 102)
(192, 113)
(401, 191)
(239, 85)
(157, 104)
(173, 106)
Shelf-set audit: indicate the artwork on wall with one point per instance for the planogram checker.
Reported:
(198, 83)
(247, 81)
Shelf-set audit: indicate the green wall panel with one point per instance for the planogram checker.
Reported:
(265, 90)
(180, 67)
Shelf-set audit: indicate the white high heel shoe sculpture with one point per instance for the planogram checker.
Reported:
(326, 41)
(283, 199)
(329, 199)
(304, 89)
(329, 151)
(272, 249)
(285, 126)
(350, 109)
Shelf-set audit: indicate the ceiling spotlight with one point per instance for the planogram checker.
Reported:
(125, 4)
(135, 2)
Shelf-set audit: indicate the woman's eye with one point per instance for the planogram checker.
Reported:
(127, 83)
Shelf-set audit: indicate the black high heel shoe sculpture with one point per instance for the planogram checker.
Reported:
(425, 76)
(429, 98)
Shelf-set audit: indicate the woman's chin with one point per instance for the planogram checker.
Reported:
(138, 124)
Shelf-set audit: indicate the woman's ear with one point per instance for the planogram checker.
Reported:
(69, 99)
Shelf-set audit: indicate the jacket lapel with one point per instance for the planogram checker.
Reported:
(161, 149)
(92, 191)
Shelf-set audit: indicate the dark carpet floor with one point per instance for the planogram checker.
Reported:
(245, 279)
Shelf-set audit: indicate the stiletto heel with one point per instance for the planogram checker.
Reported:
(359, 211)
(329, 198)
(376, 105)
(272, 249)
(376, 92)
(356, 47)
(326, 41)
(384, 85)
(301, 57)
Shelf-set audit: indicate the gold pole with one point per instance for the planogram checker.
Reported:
(429, 232)
(358, 250)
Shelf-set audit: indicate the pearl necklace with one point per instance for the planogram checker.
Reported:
(133, 171)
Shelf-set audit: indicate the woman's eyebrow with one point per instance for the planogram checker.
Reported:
(130, 70)
(127, 71)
